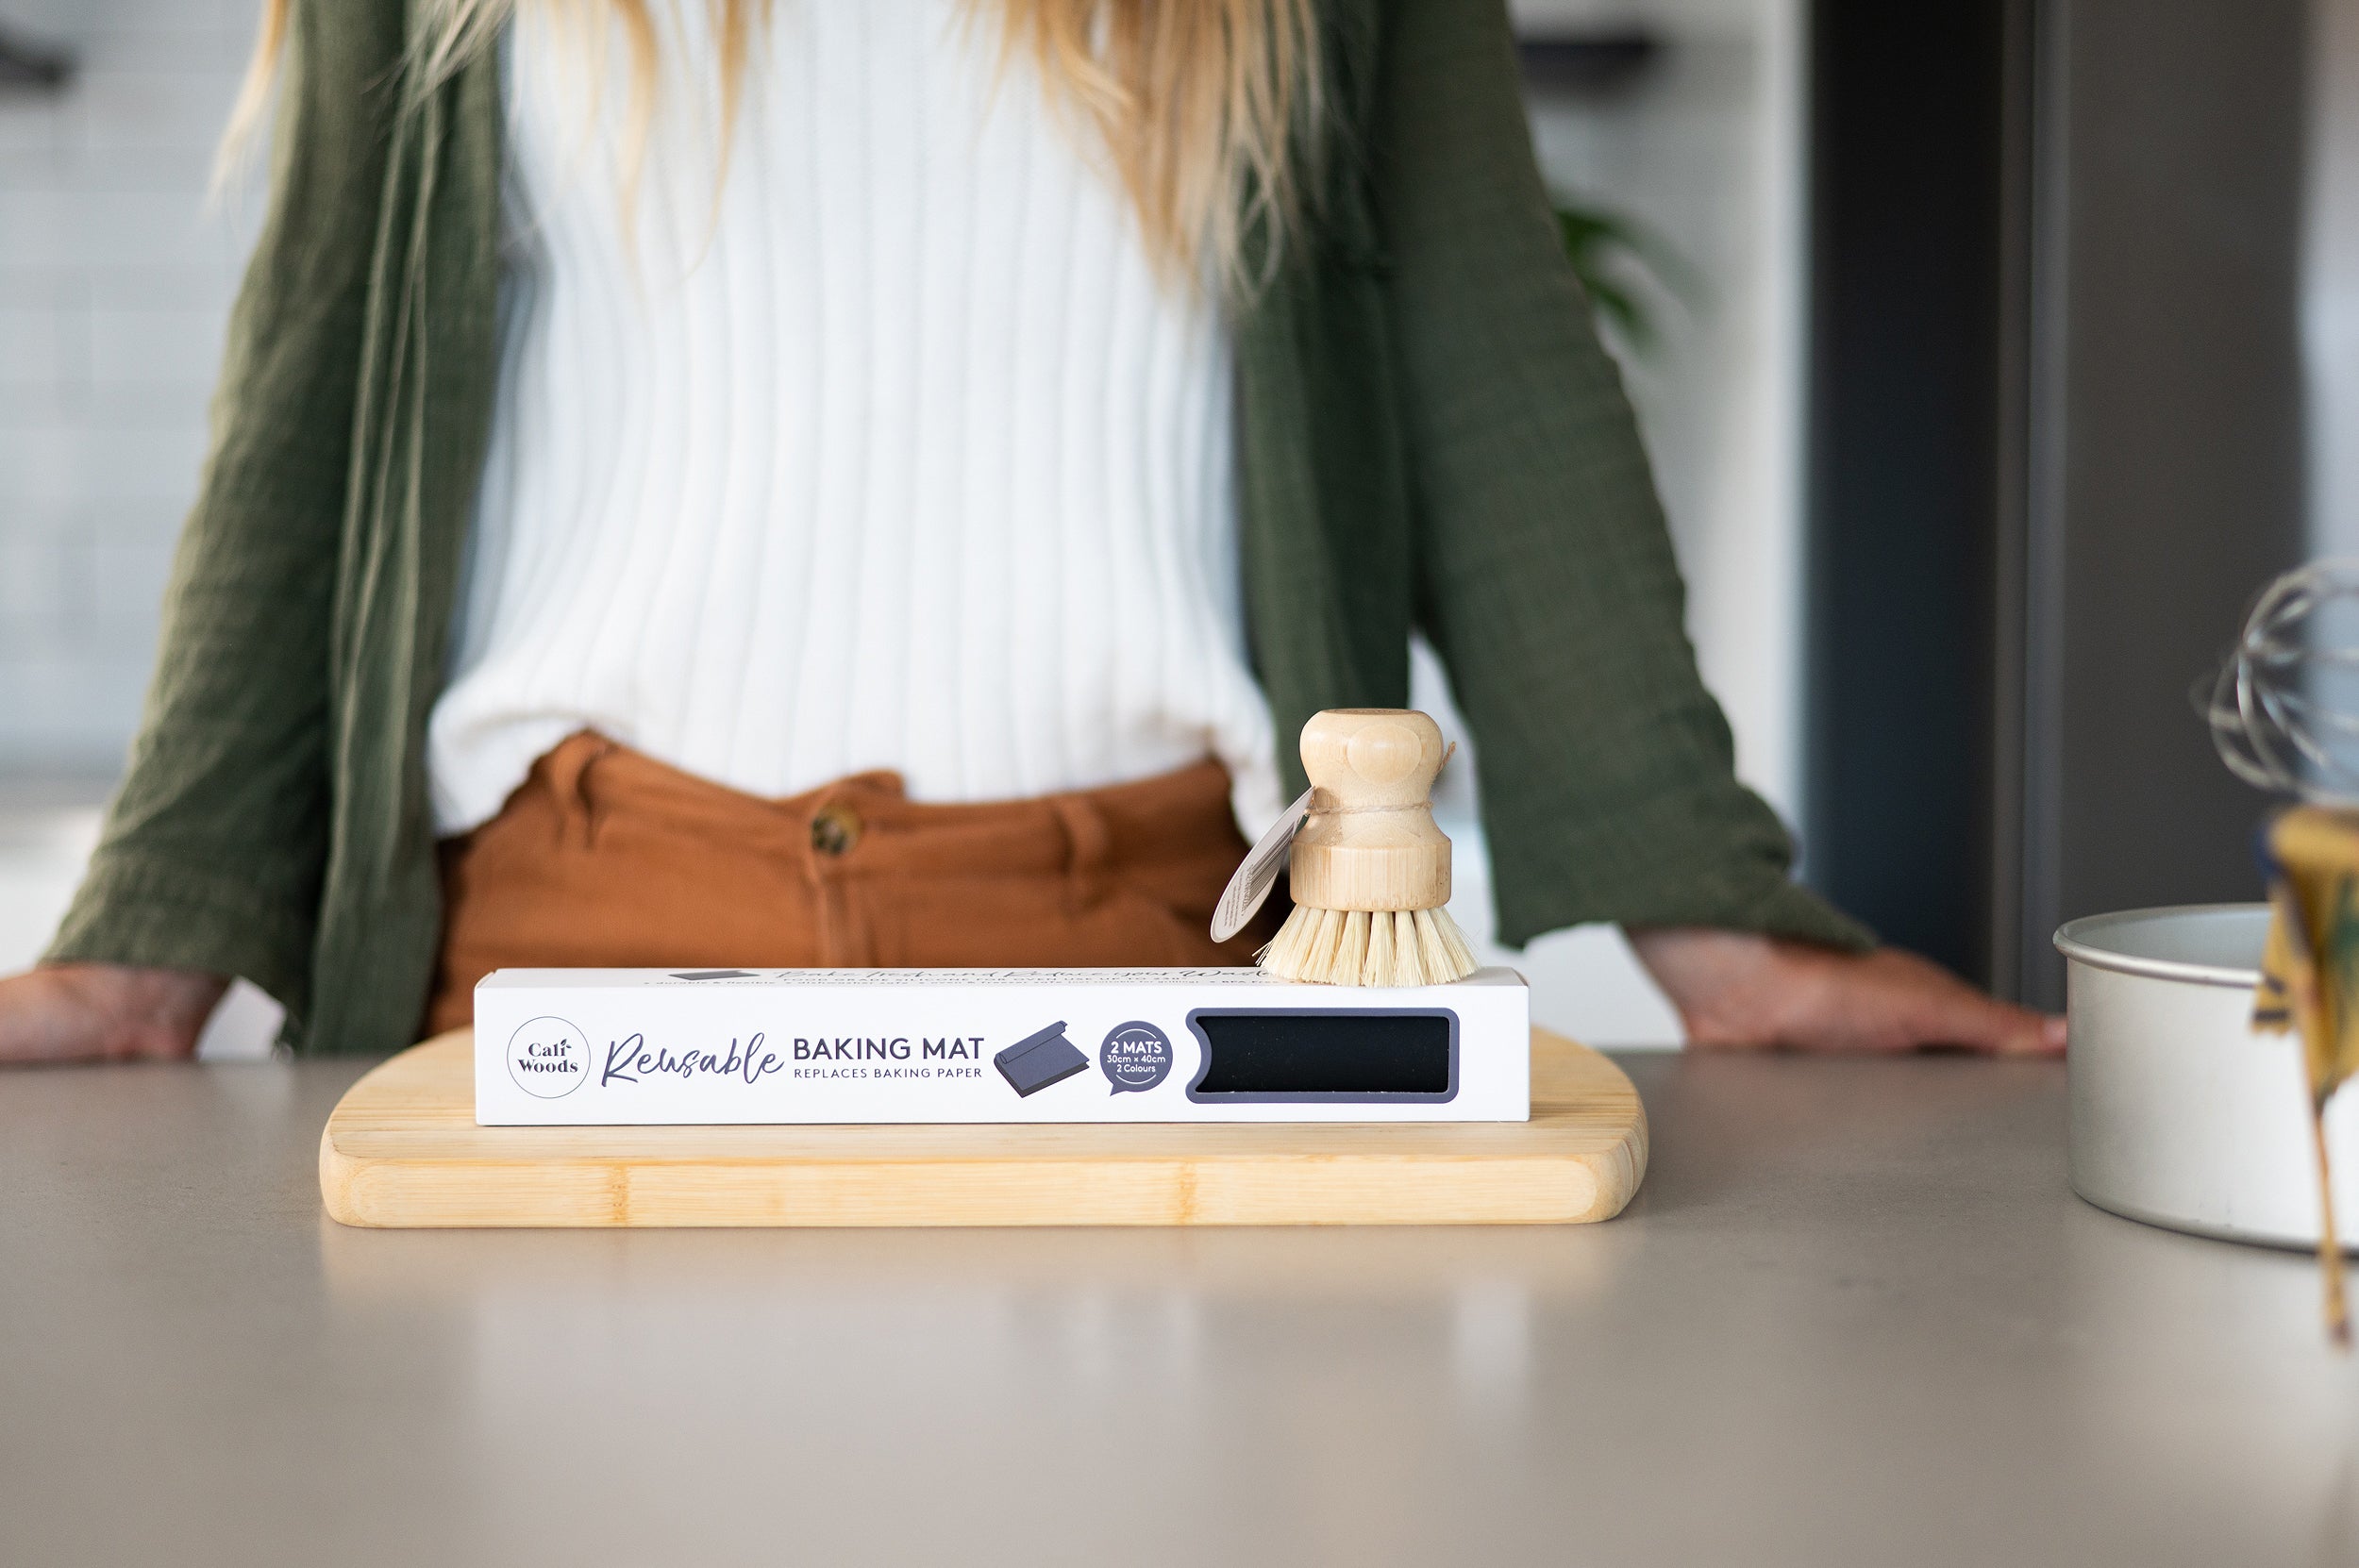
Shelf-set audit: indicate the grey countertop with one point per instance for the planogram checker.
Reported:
(1854, 1317)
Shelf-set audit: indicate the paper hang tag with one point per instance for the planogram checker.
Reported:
(1248, 889)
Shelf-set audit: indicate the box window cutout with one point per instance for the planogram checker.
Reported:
(1266, 1054)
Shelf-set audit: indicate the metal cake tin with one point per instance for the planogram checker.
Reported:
(2180, 1114)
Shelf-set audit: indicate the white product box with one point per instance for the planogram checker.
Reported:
(625, 1046)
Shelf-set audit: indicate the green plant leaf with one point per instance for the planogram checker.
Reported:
(1611, 255)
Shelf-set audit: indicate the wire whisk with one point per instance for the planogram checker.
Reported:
(2278, 705)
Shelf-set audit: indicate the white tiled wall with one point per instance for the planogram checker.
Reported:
(115, 280)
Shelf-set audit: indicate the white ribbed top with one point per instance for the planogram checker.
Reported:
(896, 457)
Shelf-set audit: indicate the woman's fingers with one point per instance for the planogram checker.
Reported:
(2045, 1037)
(1979, 1023)
(1903, 1002)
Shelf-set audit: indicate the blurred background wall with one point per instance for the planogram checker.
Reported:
(114, 285)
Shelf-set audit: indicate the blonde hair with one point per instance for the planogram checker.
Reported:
(1207, 109)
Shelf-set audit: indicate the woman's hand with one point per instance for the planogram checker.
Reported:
(1734, 989)
(104, 1012)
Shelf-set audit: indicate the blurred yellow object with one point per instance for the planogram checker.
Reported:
(2310, 982)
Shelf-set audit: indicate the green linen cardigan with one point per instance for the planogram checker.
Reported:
(1429, 436)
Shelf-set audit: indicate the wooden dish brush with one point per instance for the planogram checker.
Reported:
(1369, 869)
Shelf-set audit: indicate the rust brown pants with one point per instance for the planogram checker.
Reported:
(605, 858)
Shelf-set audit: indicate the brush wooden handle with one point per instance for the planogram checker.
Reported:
(1369, 841)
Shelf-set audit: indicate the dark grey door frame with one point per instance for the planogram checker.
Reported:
(2165, 476)
(1915, 460)
(2056, 447)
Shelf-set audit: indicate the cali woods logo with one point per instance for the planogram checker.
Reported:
(549, 1056)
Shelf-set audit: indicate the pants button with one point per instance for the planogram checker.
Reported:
(835, 829)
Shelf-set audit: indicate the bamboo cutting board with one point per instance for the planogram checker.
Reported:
(402, 1149)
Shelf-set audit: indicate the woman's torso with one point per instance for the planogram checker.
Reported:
(892, 452)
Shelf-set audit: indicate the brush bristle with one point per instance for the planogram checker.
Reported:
(1378, 962)
(1351, 950)
(1283, 955)
(1384, 948)
(1454, 944)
